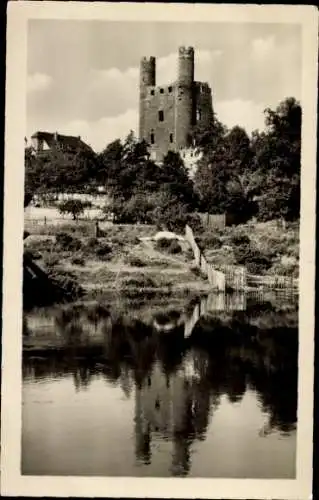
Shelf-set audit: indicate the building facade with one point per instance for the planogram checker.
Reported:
(169, 113)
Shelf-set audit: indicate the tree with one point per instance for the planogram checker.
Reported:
(172, 177)
(73, 207)
(31, 176)
(204, 137)
(127, 167)
(260, 175)
(60, 170)
(109, 161)
(277, 158)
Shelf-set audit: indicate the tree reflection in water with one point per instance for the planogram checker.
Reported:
(177, 383)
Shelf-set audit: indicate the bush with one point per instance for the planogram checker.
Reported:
(174, 247)
(194, 221)
(240, 239)
(163, 243)
(138, 281)
(103, 251)
(78, 261)
(134, 261)
(258, 266)
(92, 243)
(67, 242)
(253, 259)
(169, 245)
(209, 241)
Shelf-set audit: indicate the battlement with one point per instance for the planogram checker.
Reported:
(186, 51)
(203, 87)
(147, 72)
(148, 60)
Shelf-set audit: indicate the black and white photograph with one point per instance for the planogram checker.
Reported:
(159, 271)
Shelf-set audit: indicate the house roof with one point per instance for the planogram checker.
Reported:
(66, 140)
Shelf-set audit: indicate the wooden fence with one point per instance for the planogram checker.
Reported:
(212, 221)
(236, 277)
(216, 278)
(274, 282)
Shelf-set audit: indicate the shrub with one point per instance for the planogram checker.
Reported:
(138, 281)
(103, 251)
(240, 239)
(78, 261)
(194, 221)
(67, 242)
(174, 247)
(134, 261)
(209, 241)
(258, 266)
(169, 245)
(92, 243)
(163, 243)
(253, 259)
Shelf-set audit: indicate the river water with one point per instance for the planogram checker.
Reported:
(200, 389)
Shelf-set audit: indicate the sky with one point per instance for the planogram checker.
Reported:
(83, 75)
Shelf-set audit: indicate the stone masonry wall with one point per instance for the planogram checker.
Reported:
(159, 131)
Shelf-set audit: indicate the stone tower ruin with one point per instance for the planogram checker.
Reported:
(168, 113)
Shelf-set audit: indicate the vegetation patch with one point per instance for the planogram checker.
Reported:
(168, 245)
(67, 242)
(263, 247)
(78, 261)
(135, 261)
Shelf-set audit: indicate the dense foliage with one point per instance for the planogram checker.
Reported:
(246, 176)
(258, 176)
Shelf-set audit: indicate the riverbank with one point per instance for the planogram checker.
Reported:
(128, 260)
(122, 259)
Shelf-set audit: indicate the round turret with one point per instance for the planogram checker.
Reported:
(147, 72)
(186, 66)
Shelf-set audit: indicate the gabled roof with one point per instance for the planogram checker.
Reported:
(65, 140)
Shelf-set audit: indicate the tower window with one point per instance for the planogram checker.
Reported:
(152, 138)
(171, 138)
(161, 115)
(162, 91)
(152, 92)
(198, 115)
(170, 89)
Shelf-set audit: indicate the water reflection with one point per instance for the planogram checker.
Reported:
(225, 350)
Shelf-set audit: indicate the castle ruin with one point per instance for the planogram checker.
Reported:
(168, 113)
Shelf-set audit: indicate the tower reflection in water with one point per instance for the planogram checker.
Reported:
(175, 381)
